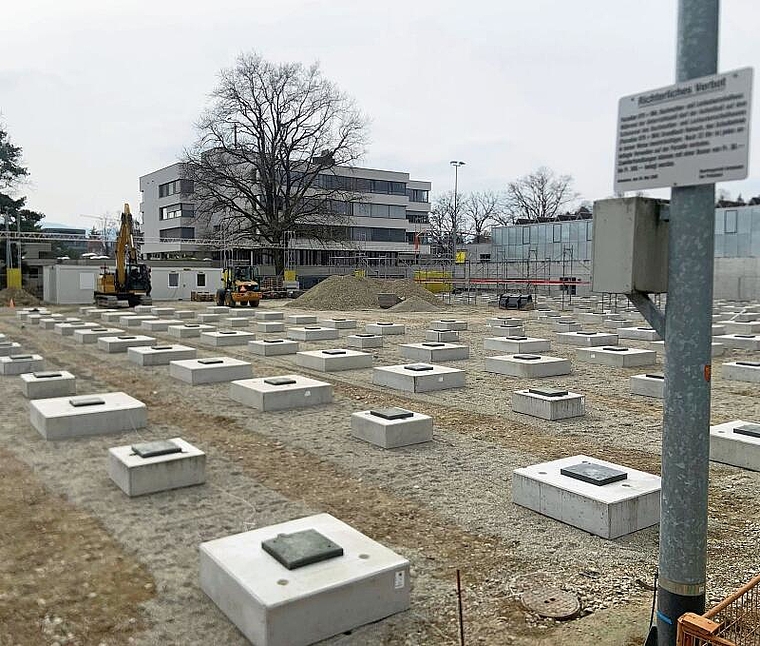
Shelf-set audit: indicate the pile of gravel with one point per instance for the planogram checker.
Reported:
(346, 293)
(414, 304)
(21, 298)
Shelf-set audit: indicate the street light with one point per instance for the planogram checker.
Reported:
(455, 222)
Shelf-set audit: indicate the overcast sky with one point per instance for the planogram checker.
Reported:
(100, 92)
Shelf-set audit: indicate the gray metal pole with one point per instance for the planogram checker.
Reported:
(18, 244)
(688, 320)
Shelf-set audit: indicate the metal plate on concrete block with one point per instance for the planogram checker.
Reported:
(391, 413)
(46, 375)
(744, 336)
(86, 401)
(301, 548)
(551, 602)
(191, 325)
(418, 367)
(227, 332)
(161, 347)
(654, 375)
(433, 345)
(751, 364)
(518, 338)
(527, 357)
(752, 430)
(615, 349)
(365, 336)
(384, 323)
(333, 352)
(207, 362)
(20, 357)
(273, 340)
(548, 392)
(153, 449)
(126, 336)
(98, 329)
(312, 327)
(279, 381)
(596, 474)
(587, 333)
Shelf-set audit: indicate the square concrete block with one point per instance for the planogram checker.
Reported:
(638, 333)
(716, 349)
(111, 316)
(189, 330)
(92, 334)
(587, 338)
(498, 321)
(162, 312)
(339, 324)
(184, 315)
(62, 418)
(210, 371)
(448, 324)
(9, 347)
(269, 315)
(236, 321)
(209, 317)
(334, 360)
(301, 319)
(390, 428)
(433, 351)
(736, 443)
(531, 366)
(516, 344)
(243, 312)
(385, 328)
(142, 309)
(617, 356)
(157, 325)
(44, 385)
(741, 371)
(419, 377)
(269, 327)
(739, 327)
(67, 329)
(273, 347)
(224, 338)
(718, 329)
(363, 341)
(571, 326)
(160, 355)
(312, 333)
(441, 336)
(739, 341)
(276, 606)
(609, 510)
(149, 467)
(18, 364)
(507, 330)
(120, 343)
(615, 324)
(136, 320)
(283, 392)
(217, 309)
(648, 385)
(548, 403)
(48, 322)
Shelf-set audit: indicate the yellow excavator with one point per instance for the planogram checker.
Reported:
(130, 282)
(240, 286)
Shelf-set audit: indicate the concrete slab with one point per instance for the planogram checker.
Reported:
(717, 349)
(301, 319)
(63, 418)
(184, 315)
(739, 341)
(497, 321)
(48, 322)
(741, 371)
(142, 309)
(441, 336)
(617, 356)
(610, 510)
(385, 328)
(448, 324)
(312, 333)
(507, 330)
(339, 323)
(269, 327)
(225, 338)
(583, 338)
(548, 403)
(273, 347)
(163, 312)
(638, 333)
(738, 327)
(9, 347)
(434, 351)
(516, 344)
(121, 342)
(739, 448)
(648, 385)
(18, 364)
(269, 315)
(334, 360)
(391, 428)
(284, 392)
(137, 471)
(157, 325)
(160, 355)
(364, 341)
(531, 366)
(236, 321)
(136, 320)
(217, 309)
(67, 329)
(274, 606)
(566, 327)
(111, 316)
(209, 317)
(92, 334)
(189, 330)
(212, 370)
(44, 385)
(419, 377)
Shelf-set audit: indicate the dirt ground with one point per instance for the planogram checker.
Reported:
(68, 533)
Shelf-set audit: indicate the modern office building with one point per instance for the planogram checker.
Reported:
(387, 218)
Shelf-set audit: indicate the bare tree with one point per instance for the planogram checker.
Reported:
(267, 151)
(541, 194)
(482, 209)
(447, 222)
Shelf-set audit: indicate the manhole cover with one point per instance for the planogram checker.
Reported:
(551, 602)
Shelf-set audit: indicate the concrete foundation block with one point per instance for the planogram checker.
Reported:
(269, 315)
(339, 324)
(548, 403)
(111, 316)
(334, 360)
(638, 333)
(210, 371)
(386, 328)
(648, 385)
(160, 355)
(217, 309)
(18, 364)
(718, 329)
(161, 312)
(189, 330)
(67, 329)
(92, 334)
(142, 309)
(184, 315)
(530, 366)
(284, 392)
(736, 443)
(507, 330)
(120, 343)
(243, 312)
(717, 349)
(617, 356)
(269, 327)
(44, 385)
(137, 473)
(441, 336)
(580, 339)
(274, 606)
(236, 321)
(364, 341)
(301, 319)
(157, 325)
(739, 341)
(312, 333)
(745, 317)
(225, 338)
(615, 324)
(48, 322)
(741, 371)
(273, 347)
(739, 327)
(9, 347)
(610, 510)
(571, 326)
(419, 378)
(391, 428)
(208, 317)
(434, 351)
(498, 321)
(137, 320)
(448, 324)
(516, 344)
(62, 418)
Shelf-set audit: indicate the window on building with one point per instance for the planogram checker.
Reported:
(731, 221)
(173, 279)
(417, 195)
(184, 233)
(589, 231)
(418, 217)
(557, 233)
(183, 210)
(184, 186)
(200, 280)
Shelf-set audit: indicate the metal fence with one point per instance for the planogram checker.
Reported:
(735, 621)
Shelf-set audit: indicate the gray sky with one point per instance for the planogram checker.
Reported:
(101, 92)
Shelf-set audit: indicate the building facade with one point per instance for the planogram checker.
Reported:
(386, 218)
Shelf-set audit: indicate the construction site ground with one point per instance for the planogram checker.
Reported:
(81, 563)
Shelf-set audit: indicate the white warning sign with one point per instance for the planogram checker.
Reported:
(696, 132)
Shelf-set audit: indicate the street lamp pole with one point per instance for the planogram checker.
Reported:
(455, 221)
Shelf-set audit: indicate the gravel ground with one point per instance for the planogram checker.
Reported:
(444, 505)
